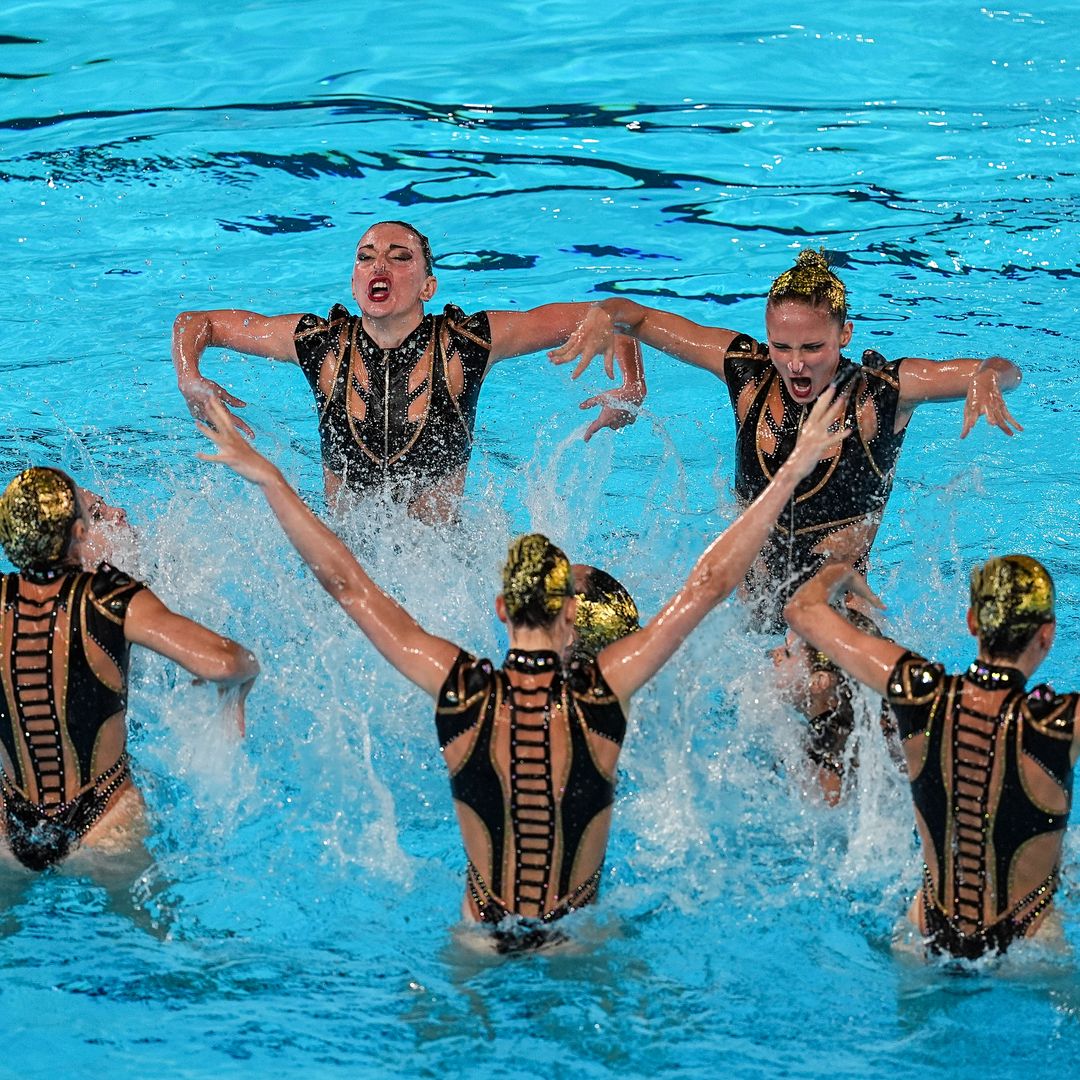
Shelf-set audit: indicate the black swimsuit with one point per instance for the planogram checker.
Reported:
(979, 814)
(534, 822)
(852, 487)
(386, 449)
(54, 705)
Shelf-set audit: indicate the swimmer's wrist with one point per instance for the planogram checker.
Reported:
(617, 315)
(188, 379)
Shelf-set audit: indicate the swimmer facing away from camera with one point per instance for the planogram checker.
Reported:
(990, 762)
(604, 611)
(532, 744)
(65, 635)
(396, 389)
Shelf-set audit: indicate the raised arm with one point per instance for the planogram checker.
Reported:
(979, 382)
(516, 333)
(630, 662)
(205, 654)
(421, 657)
(811, 614)
(245, 331)
(686, 340)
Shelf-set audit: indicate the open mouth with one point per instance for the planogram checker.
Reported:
(801, 385)
(378, 289)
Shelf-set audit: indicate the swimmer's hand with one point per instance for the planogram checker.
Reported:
(858, 585)
(233, 449)
(837, 579)
(199, 392)
(984, 398)
(832, 582)
(595, 336)
(821, 434)
(233, 696)
(618, 409)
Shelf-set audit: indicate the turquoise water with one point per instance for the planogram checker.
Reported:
(300, 912)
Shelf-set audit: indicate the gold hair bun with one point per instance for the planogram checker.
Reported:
(811, 281)
(37, 511)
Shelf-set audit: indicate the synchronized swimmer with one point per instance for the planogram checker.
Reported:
(531, 744)
(396, 390)
(836, 513)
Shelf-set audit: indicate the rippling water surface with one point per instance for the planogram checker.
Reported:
(300, 910)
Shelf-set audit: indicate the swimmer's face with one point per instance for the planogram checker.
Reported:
(791, 666)
(810, 691)
(804, 344)
(390, 276)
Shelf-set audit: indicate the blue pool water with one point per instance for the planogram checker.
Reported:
(300, 912)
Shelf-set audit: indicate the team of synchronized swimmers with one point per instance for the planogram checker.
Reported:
(532, 744)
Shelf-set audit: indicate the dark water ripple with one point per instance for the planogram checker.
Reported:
(541, 117)
(444, 176)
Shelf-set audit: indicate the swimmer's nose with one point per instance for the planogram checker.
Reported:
(795, 366)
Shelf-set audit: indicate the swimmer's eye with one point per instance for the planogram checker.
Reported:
(810, 346)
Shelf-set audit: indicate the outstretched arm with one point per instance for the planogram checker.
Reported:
(630, 662)
(516, 333)
(702, 346)
(205, 654)
(421, 657)
(979, 382)
(245, 331)
(810, 613)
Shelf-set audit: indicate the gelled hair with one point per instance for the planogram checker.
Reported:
(37, 511)
(1011, 597)
(810, 281)
(605, 612)
(536, 581)
(425, 244)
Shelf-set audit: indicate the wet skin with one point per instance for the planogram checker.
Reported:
(804, 344)
(390, 283)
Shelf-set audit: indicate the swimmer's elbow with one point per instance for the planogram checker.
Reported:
(713, 582)
(191, 334)
(801, 618)
(338, 585)
(182, 323)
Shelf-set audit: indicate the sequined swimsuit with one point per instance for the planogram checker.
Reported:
(850, 488)
(55, 702)
(534, 822)
(366, 435)
(970, 791)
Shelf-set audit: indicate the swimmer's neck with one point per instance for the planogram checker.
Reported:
(1025, 663)
(539, 639)
(389, 331)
